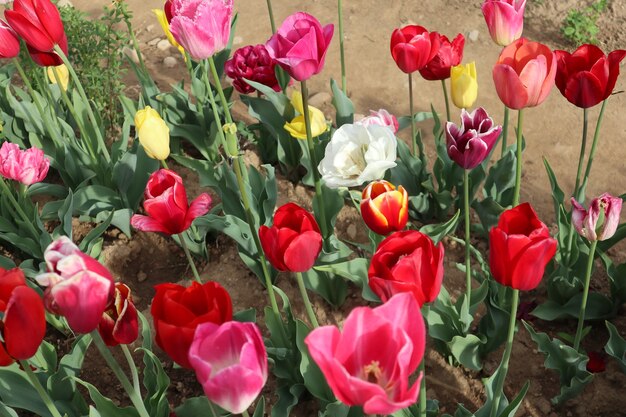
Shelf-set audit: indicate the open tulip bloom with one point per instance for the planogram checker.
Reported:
(471, 142)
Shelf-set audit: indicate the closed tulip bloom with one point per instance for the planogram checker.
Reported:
(380, 118)
(407, 261)
(297, 128)
(28, 167)
(22, 318)
(505, 20)
(78, 287)
(370, 362)
(230, 363)
(600, 221)
(587, 76)
(520, 247)
(299, 46)
(294, 241)
(524, 74)
(251, 63)
(119, 323)
(464, 85)
(9, 43)
(412, 47)
(177, 311)
(62, 73)
(450, 54)
(165, 202)
(153, 133)
(38, 22)
(384, 208)
(48, 59)
(202, 27)
(469, 144)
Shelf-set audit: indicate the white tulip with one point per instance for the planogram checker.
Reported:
(357, 154)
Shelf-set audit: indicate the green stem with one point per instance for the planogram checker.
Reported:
(20, 211)
(581, 155)
(135, 396)
(307, 303)
(189, 258)
(422, 369)
(468, 261)
(271, 13)
(518, 155)
(220, 90)
(40, 389)
(212, 409)
(341, 48)
(504, 366)
(445, 96)
(592, 153)
(133, 368)
(583, 304)
(412, 115)
(133, 38)
(505, 131)
(245, 413)
(316, 175)
(81, 91)
(164, 164)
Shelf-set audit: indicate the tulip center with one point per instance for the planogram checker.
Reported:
(374, 374)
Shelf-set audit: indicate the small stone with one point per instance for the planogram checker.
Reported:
(237, 40)
(473, 35)
(351, 230)
(544, 406)
(320, 99)
(149, 28)
(131, 54)
(163, 45)
(142, 276)
(64, 3)
(154, 41)
(170, 62)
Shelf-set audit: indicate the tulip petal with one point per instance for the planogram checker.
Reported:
(509, 87)
(198, 207)
(32, 34)
(148, 224)
(530, 265)
(302, 251)
(24, 323)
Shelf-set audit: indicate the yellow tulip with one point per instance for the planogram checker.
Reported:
(160, 14)
(61, 72)
(464, 86)
(153, 133)
(297, 128)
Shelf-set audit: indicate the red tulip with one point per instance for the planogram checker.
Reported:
(450, 54)
(409, 262)
(587, 76)
(23, 323)
(251, 63)
(119, 325)
(383, 208)
(412, 47)
(520, 247)
(48, 59)
(294, 241)
(9, 43)
(178, 310)
(166, 205)
(597, 362)
(38, 22)
(524, 74)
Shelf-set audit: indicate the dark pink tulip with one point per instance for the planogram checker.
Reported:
(505, 20)
(251, 63)
(601, 220)
(469, 144)
(28, 167)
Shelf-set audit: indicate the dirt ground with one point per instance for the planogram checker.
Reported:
(552, 131)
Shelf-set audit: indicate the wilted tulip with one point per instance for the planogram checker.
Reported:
(251, 63)
(450, 54)
(464, 85)
(412, 47)
(384, 208)
(600, 221)
(297, 128)
(380, 118)
(119, 323)
(505, 20)
(153, 133)
(28, 167)
(469, 144)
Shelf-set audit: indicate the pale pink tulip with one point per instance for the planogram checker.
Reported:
(79, 287)
(505, 20)
(28, 167)
(524, 74)
(202, 27)
(380, 118)
(601, 220)
(230, 363)
(370, 362)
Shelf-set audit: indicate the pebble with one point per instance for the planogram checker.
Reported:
(351, 230)
(237, 40)
(170, 62)
(131, 54)
(473, 35)
(544, 406)
(142, 276)
(149, 28)
(320, 99)
(64, 3)
(154, 41)
(163, 45)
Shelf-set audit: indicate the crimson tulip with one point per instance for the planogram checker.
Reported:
(23, 318)
(410, 262)
(505, 19)
(299, 46)
(9, 43)
(47, 59)
(587, 76)
(294, 241)
(38, 22)
(251, 63)
(412, 47)
(520, 247)
(177, 311)
(119, 323)
(384, 208)
(469, 144)
(78, 287)
(450, 54)
(524, 74)
(370, 362)
(165, 202)
(600, 221)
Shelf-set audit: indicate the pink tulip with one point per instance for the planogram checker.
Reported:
(505, 20)
(300, 44)
(601, 220)
(369, 364)
(79, 287)
(202, 27)
(28, 167)
(230, 362)
(524, 74)
(380, 118)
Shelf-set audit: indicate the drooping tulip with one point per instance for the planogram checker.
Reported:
(384, 208)
(251, 63)
(505, 20)
(119, 323)
(28, 166)
(600, 221)
(153, 133)
(464, 85)
(412, 47)
(450, 54)
(469, 144)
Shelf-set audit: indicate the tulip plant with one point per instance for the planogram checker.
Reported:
(372, 362)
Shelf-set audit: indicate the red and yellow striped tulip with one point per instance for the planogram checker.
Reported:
(384, 208)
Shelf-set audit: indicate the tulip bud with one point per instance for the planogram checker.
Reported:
(601, 220)
(297, 128)
(505, 20)
(60, 72)
(464, 85)
(154, 135)
(385, 209)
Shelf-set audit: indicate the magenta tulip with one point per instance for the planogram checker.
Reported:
(28, 167)
(251, 63)
(505, 20)
(79, 287)
(601, 220)
(469, 144)
(369, 364)
(300, 44)
(230, 363)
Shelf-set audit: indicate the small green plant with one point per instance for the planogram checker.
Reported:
(581, 25)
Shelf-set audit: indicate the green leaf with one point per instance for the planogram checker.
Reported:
(354, 270)
(405, 121)
(65, 215)
(155, 379)
(558, 196)
(616, 346)
(245, 316)
(598, 307)
(105, 406)
(16, 391)
(288, 397)
(193, 407)
(259, 411)
(438, 231)
(314, 379)
(467, 350)
(343, 105)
